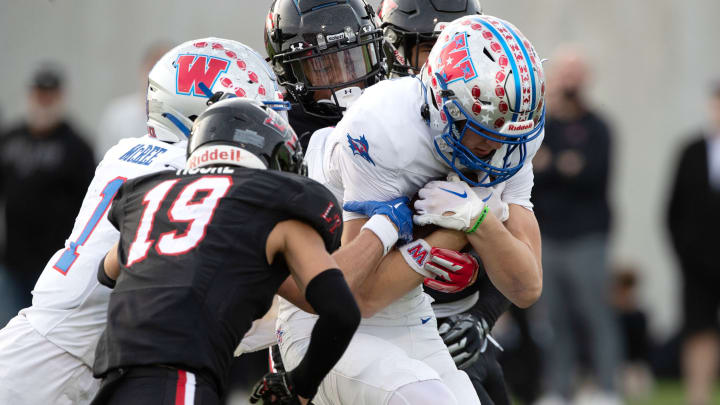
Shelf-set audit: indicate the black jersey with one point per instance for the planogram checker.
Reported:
(305, 124)
(194, 269)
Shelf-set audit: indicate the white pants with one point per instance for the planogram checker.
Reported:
(34, 371)
(379, 361)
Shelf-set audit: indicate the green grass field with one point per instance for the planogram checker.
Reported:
(670, 393)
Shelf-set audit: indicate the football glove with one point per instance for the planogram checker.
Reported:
(396, 210)
(465, 337)
(492, 197)
(274, 389)
(454, 271)
(448, 204)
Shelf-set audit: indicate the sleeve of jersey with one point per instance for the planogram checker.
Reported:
(116, 208)
(518, 189)
(307, 200)
(316, 205)
(368, 166)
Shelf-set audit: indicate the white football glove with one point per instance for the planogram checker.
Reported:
(495, 204)
(448, 204)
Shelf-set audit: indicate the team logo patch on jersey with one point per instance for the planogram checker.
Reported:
(360, 147)
(194, 69)
(454, 60)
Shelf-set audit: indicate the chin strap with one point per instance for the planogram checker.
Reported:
(178, 123)
(217, 96)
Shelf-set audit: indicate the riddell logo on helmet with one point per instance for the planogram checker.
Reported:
(219, 155)
(518, 127)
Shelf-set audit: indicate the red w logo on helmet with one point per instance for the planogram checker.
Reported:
(194, 69)
(454, 60)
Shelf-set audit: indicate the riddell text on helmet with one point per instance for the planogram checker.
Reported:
(218, 155)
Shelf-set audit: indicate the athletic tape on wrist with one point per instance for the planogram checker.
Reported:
(416, 254)
(384, 229)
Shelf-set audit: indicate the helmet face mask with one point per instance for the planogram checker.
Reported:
(324, 55)
(483, 78)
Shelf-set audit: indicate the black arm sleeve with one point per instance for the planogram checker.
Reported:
(491, 303)
(103, 278)
(339, 317)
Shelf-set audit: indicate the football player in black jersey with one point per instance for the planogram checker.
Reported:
(324, 54)
(202, 253)
(465, 318)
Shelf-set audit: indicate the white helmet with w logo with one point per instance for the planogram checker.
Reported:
(483, 77)
(184, 79)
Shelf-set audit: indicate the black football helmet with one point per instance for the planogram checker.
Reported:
(406, 24)
(243, 132)
(320, 46)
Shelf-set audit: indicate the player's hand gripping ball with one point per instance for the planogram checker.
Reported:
(454, 271)
(448, 204)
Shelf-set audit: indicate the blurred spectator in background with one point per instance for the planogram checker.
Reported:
(636, 378)
(125, 116)
(570, 197)
(45, 169)
(693, 219)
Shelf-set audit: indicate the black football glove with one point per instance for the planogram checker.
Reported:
(274, 389)
(465, 337)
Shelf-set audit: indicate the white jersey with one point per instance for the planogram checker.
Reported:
(69, 304)
(383, 149)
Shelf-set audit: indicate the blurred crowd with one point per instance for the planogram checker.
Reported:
(587, 337)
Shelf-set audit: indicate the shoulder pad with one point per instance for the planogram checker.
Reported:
(384, 127)
(303, 199)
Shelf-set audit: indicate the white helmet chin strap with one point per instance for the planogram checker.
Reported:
(169, 124)
(345, 97)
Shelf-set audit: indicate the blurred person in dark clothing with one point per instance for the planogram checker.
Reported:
(571, 178)
(45, 168)
(636, 379)
(693, 219)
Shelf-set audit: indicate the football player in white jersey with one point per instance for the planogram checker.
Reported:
(476, 111)
(47, 350)
(465, 318)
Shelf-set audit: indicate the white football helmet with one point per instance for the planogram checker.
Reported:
(183, 81)
(484, 77)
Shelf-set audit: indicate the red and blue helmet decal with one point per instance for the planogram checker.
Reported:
(521, 63)
(455, 60)
(193, 69)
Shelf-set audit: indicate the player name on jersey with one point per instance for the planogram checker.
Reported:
(206, 170)
(142, 154)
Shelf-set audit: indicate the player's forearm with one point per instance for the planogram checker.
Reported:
(358, 258)
(510, 263)
(394, 278)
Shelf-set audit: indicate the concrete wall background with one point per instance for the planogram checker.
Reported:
(652, 62)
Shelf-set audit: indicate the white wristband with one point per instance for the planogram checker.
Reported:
(416, 254)
(384, 229)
